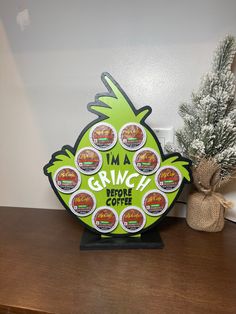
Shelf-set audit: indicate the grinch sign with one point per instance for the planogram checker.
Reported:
(116, 179)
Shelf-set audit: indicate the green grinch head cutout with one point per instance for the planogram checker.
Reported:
(116, 179)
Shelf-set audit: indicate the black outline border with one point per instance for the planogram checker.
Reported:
(102, 117)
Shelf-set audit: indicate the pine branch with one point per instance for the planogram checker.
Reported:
(210, 119)
(227, 161)
(224, 55)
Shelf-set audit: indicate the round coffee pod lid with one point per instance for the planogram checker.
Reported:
(132, 136)
(103, 136)
(105, 219)
(132, 219)
(146, 161)
(155, 203)
(88, 160)
(168, 179)
(67, 179)
(82, 203)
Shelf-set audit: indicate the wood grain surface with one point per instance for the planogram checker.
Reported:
(43, 269)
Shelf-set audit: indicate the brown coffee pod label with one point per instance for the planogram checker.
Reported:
(88, 160)
(132, 219)
(146, 161)
(103, 136)
(132, 136)
(82, 203)
(155, 203)
(105, 219)
(67, 179)
(168, 179)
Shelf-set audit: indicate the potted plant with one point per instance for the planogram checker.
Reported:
(208, 138)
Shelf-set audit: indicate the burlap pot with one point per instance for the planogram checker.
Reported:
(206, 208)
(205, 212)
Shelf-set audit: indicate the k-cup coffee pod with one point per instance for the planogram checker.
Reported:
(103, 136)
(82, 203)
(146, 161)
(132, 219)
(67, 179)
(168, 179)
(132, 136)
(88, 160)
(155, 203)
(105, 219)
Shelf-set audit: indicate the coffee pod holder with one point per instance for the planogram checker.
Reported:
(116, 181)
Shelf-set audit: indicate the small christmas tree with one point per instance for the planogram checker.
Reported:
(210, 120)
(208, 138)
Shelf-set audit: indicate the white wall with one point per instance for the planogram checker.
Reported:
(157, 50)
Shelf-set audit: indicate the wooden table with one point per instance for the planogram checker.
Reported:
(43, 269)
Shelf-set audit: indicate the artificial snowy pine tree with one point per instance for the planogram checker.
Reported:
(210, 120)
(208, 138)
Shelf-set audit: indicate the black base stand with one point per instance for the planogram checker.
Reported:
(148, 240)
